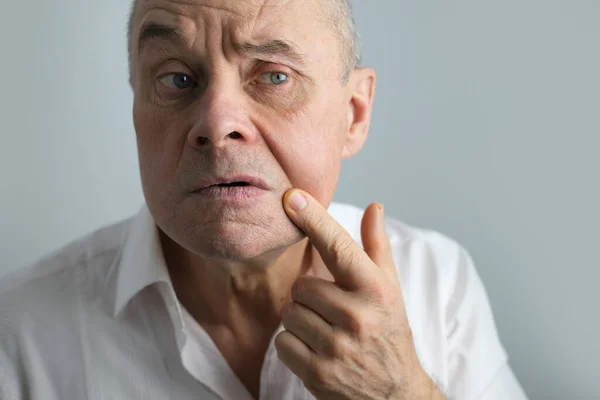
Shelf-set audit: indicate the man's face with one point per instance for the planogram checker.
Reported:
(233, 90)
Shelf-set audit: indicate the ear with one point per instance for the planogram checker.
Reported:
(361, 86)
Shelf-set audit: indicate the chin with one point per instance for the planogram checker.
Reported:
(240, 242)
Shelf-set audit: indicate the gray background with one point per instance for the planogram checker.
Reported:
(486, 127)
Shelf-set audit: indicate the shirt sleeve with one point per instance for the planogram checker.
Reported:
(476, 357)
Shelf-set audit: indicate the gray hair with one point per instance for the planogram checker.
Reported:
(342, 17)
(338, 10)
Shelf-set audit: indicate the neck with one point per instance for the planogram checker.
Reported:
(244, 298)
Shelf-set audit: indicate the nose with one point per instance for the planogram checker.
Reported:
(221, 118)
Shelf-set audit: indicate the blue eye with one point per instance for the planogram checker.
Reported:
(177, 81)
(275, 78)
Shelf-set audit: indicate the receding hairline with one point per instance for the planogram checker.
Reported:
(337, 10)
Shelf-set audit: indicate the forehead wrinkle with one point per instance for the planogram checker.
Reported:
(211, 4)
(244, 36)
(250, 10)
(259, 14)
(262, 8)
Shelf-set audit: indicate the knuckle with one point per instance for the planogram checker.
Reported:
(302, 288)
(319, 378)
(325, 343)
(383, 295)
(353, 319)
(340, 345)
(340, 250)
(318, 343)
(362, 322)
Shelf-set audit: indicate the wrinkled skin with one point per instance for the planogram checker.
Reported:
(292, 135)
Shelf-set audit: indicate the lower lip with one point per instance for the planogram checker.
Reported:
(231, 194)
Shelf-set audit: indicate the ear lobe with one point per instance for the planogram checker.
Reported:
(362, 87)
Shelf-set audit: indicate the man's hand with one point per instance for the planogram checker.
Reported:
(350, 339)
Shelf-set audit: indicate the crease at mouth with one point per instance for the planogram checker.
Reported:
(233, 184)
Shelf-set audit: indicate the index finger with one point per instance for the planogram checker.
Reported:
(350, 266)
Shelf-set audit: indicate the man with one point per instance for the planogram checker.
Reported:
(239, 278)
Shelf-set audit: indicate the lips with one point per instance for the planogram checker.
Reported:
(233, 181)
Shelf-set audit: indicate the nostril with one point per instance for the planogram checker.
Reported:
(203, 140)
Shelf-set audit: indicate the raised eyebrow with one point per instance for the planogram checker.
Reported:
(153, 30)
(273, 48)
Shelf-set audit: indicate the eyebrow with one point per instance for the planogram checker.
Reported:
(277, 47)
(152, 30)
(271, 48)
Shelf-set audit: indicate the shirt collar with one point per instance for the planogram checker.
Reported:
(142, 261)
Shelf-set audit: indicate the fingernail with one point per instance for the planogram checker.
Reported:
(382, 216)
(298, 202)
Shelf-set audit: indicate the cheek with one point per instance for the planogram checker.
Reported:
(158, 145)
(308, 146)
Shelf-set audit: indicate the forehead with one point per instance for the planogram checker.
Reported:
(254, 13)
(201, 23)
(232, 6)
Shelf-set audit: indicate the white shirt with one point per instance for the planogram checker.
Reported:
(99, 319)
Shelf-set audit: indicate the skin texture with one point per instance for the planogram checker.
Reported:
(292, 136)
(233, 267)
